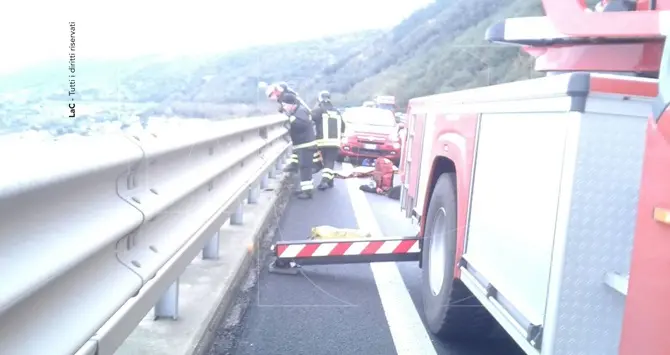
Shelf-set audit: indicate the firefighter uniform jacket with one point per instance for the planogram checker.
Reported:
(329, 125)
(301, 128)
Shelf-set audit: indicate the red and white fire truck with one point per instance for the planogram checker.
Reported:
(548, 200)
(544, 204)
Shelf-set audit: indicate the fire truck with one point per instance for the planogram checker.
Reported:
(543, 204)
(385, 102)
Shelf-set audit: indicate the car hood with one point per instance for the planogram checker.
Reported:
(372, 130)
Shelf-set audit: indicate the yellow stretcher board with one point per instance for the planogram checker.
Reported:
(333, 233)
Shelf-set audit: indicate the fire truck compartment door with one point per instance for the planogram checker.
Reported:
(514, 205)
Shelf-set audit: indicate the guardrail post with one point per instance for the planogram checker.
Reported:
(254, 194)
(272, 173)
(211, 249)
(279, 164)
(168, 305)
(237, 218)
(265, 183)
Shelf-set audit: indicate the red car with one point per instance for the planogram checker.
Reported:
(370, 133)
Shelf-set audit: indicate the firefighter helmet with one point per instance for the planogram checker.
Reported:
(289, 99)
(276, 90)
(324, 96)
(273, 91)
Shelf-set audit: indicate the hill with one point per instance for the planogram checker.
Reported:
(214, 86)
(437, 49)
(440, 48)
(230, 82)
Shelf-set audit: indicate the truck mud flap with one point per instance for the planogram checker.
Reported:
(289, 256)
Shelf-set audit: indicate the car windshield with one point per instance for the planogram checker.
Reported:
(369, 116)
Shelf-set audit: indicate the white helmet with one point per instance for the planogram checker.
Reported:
(324, 96)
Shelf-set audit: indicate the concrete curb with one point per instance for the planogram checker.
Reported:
(208, 288)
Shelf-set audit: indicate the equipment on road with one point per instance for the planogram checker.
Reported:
(289, 256)
(329, 232)
(543, 204)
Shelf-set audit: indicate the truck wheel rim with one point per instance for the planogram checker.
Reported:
(437, 252)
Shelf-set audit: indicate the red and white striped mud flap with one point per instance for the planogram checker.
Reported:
(327, 252)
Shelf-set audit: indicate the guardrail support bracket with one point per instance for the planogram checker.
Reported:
(265, 183)
(254, 194)
(237, 218)
(211, 249)
(168, 305)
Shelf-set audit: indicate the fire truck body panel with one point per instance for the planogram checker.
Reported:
(647, 300)
(571, 18)
(554, 51)
(423, 130)
(543, 231)
(643, 57)
(442, 142)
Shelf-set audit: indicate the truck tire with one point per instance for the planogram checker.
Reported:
(450, 310)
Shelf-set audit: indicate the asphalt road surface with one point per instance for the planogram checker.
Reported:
(338, 309)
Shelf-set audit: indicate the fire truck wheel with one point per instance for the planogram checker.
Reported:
(340, 158)
(450, 309)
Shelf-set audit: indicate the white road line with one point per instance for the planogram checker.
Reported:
(409, 334)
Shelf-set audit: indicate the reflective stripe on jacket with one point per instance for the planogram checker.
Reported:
(329, 125)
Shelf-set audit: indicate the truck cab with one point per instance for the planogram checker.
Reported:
(385, 102)
(543, 204)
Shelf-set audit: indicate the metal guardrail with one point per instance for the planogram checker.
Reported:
(93, 232)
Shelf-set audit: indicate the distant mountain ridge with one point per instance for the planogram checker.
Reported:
(439, 48)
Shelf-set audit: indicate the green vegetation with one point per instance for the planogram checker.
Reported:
(437, 49)
(445, 50)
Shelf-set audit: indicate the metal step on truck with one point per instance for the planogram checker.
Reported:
(543, 204)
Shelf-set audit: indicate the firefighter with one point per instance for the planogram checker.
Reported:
(382, 180)
(329, 128)
(276, 92)
(301, 130)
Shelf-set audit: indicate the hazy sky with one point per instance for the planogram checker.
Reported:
(34, 31)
